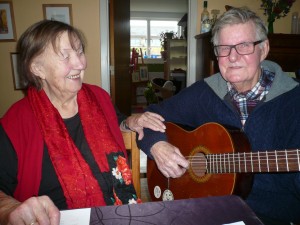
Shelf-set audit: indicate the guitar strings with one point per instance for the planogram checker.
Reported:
(253, 161)
(262, 155)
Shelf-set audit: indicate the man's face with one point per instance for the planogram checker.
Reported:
(242, 71)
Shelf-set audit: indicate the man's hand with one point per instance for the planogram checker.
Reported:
(137, 122)
(169, 159)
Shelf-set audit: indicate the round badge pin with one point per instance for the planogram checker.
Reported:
(168, 195)
(157, 192)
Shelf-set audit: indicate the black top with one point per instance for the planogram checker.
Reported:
(50, 185)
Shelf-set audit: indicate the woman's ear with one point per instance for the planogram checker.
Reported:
(265, 50)
(36, 69)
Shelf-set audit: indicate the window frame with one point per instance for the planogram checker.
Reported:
(152, 16)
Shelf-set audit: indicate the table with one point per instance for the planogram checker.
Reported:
(206, 211)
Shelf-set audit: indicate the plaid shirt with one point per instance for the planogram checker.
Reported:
(246, 101)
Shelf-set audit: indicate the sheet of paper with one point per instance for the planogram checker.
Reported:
(75, 217)
(236, 223)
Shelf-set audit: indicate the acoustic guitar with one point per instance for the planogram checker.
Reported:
(221, 163)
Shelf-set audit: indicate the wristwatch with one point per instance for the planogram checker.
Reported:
(124, 125)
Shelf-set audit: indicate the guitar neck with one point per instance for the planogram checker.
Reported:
(254, 162)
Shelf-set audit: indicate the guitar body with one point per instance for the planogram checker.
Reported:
(210, 138)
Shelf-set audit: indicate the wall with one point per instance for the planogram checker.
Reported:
(26, 12)
(86, 18)
(282, 25)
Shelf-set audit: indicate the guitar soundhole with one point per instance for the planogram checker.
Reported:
(198, 164)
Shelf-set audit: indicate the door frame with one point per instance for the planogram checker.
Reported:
(105, 68)
(192, 32)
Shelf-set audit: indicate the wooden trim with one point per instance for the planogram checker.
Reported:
(129, 138)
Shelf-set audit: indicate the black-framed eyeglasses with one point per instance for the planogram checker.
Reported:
(245, 48)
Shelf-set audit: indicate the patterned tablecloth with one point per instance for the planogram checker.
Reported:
(206, 211)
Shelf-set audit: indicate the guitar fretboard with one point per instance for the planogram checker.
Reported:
(267, 161)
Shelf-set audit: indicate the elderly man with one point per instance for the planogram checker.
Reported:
(249, 93)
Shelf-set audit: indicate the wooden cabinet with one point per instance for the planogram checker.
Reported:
(284, 50)
(206, 62)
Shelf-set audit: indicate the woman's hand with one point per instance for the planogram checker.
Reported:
(137, 122)
(34, 211)
(169, 159)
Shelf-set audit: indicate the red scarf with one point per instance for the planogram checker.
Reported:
(80, 187)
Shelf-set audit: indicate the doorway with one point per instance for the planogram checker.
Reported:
(107, 70)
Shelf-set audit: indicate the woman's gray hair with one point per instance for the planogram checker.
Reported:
(34, 41)
(238, 16)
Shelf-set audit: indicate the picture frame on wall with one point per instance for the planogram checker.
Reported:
(58, 12)
(19, 83)
(144, 75)
(7, 22)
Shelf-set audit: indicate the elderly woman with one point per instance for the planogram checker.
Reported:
(61, 145)
(249, 93)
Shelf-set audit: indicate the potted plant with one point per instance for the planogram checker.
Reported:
(164, 36)
(275, 10)
(150, 95)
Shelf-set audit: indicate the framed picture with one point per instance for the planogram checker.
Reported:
(135, 76)
(7, 22)
(144, 76)
(58, 12)
(18, 81)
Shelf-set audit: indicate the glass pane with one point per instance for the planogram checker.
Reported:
(138, 34)
(156, 28)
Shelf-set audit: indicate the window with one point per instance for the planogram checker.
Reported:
(145, 35)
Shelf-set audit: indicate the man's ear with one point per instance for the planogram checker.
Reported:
(265, 50)
(36, 69)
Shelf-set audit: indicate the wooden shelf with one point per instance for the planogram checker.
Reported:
(134, 94)
(176, 56)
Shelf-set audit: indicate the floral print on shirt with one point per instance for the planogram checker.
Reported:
(123, 189)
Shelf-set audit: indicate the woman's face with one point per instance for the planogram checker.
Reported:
(242, 71)
(62, 71)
